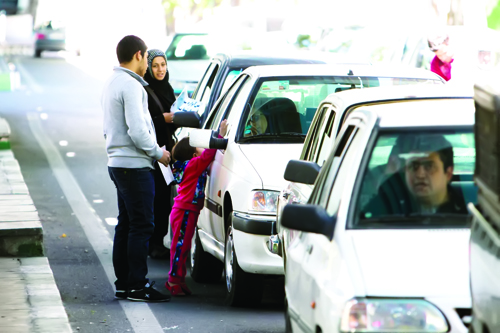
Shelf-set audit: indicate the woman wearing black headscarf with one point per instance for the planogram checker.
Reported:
(160, 99)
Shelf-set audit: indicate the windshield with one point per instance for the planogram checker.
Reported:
(282, 109)
(418, 179)
(189, 47)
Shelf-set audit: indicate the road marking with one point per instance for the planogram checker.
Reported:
(139, 315)
(28, 78)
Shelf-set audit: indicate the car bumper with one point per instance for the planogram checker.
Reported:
(50, 45)
(251, 237)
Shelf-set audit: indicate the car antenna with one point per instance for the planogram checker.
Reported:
(350, 72)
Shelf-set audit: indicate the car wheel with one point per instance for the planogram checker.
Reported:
(204, 266)
(243, 289)
(38, 53)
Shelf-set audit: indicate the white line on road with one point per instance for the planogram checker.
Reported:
(139, 315)
(28, 78)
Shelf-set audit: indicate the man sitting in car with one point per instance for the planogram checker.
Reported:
(422, 185)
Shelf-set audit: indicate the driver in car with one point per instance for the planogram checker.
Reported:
(423, 187)
(256, 124)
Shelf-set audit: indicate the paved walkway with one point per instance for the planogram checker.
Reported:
(30, 301)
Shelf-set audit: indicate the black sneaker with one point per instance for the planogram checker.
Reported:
(121, 294)
(147, 294)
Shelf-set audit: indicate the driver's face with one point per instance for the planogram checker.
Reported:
(427, 179)
(258, 121)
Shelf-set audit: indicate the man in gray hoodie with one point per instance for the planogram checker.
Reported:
(132, 148)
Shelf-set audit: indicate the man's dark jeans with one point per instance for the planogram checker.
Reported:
(136, 191)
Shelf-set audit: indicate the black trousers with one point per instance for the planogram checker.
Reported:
(162, 207)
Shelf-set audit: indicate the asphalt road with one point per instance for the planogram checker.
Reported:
(56, 124)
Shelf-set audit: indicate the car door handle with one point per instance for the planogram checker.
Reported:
(309, 248)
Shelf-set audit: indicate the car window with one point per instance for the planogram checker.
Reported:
(418, 178)
(344, 157)
(325, 136)
(231, 76)
(283, 107)
(323, 187)
(190, 47)
(225, 107)
(315, 132)
(200, 89)
(207, 93)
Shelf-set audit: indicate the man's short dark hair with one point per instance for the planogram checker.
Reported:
(183, 151)
(427, 143)
(128, 46)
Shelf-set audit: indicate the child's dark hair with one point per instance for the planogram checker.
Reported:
(128, 46)
(182, 151)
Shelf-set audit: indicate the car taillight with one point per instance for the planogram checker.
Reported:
(40, 36)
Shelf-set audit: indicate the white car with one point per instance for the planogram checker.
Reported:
(325, 127)
(379, 251)
(269, 110)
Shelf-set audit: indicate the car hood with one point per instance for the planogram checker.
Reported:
(413, 263)
(270, 160)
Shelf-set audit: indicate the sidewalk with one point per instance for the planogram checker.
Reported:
(30, 299)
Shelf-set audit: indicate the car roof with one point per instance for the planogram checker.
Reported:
(341, 69)
(348, 98)
(422, 113)
(253, 58)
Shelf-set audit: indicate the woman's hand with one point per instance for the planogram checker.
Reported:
(223, 128)
(169, 117)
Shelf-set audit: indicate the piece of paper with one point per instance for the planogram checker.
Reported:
(167, 173)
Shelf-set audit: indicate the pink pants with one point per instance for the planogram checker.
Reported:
(183, 225)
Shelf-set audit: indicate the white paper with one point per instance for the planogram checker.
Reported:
(167, 173)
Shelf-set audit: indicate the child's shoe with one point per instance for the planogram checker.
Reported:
(185, 289)
(178, 289)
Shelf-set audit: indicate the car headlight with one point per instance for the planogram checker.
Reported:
(392, 315)
(263, 201)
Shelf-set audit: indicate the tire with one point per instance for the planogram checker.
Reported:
(243, 289)
(204, 266)
(38, 53)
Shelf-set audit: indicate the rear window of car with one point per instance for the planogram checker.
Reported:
(281, 109)
(417, 179)
(189, 47)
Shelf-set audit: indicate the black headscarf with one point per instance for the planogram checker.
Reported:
(162, 88)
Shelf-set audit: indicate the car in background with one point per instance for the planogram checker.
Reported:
(51, 36)
(372, 257)
(225, 67)
(269, 111)
(325, 128)
(187, 58)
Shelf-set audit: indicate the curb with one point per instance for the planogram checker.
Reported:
(31, 301)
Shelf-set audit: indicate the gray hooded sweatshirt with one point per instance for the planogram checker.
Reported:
(128, 128)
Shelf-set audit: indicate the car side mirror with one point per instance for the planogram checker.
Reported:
(303, 172)
(186, 119)
(206, 139)
(308, 218)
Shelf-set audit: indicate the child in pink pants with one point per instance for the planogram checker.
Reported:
(190, 172)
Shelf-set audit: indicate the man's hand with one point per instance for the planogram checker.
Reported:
(223, 128)
(165, 159)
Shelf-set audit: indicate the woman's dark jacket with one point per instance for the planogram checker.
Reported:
(165, 94)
